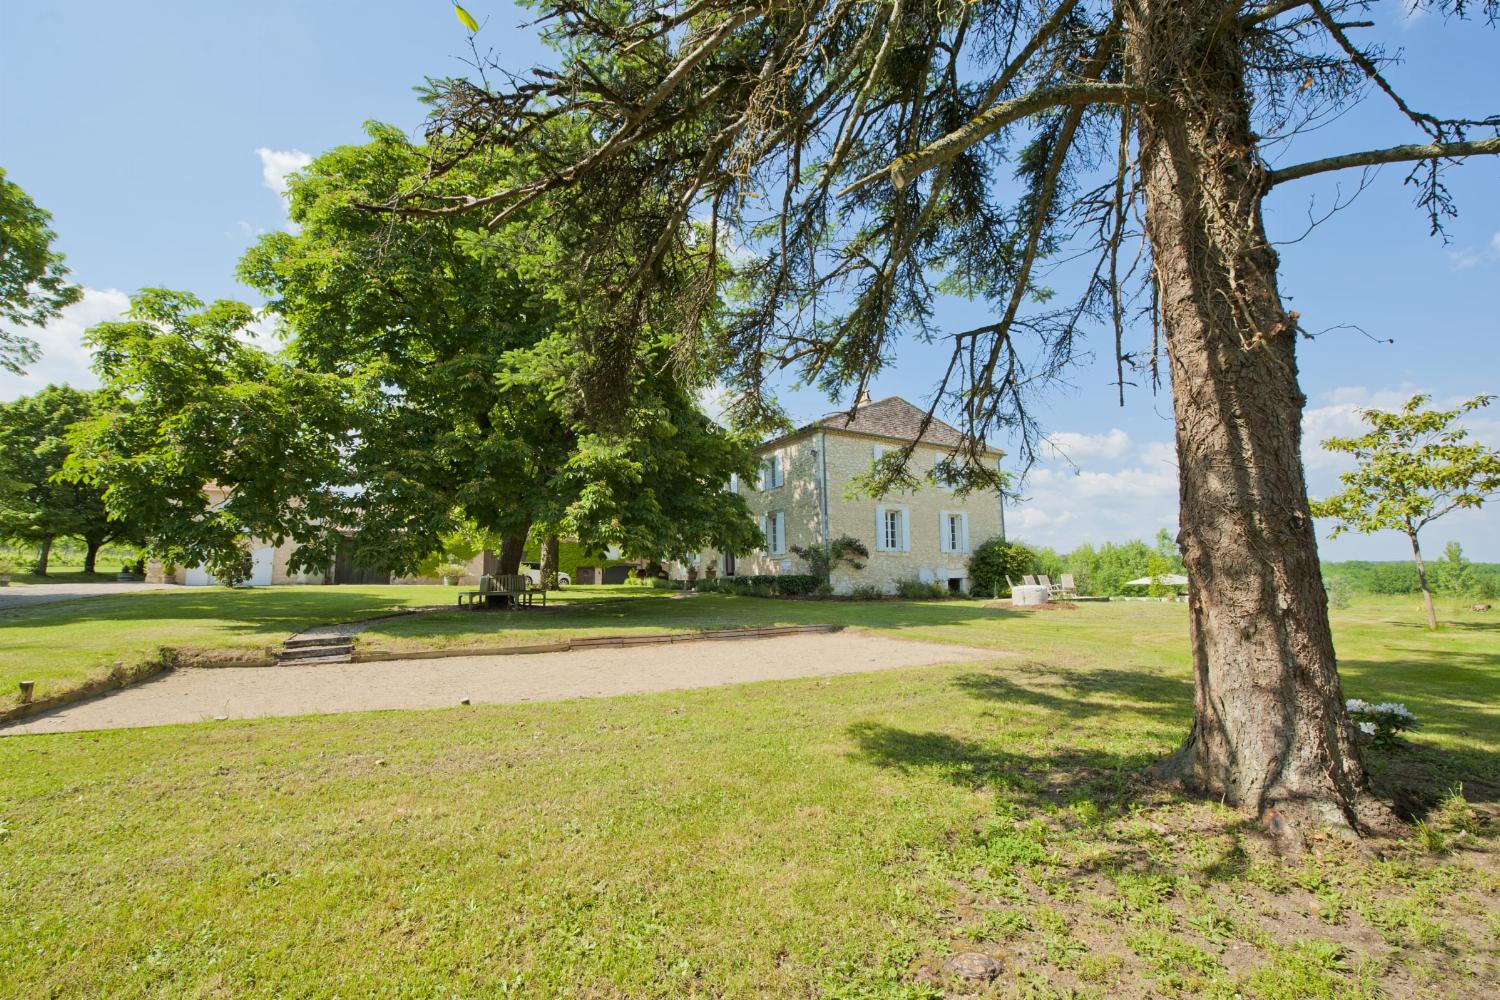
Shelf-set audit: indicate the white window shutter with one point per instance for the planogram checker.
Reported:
(964, 518)
(780, 532)
(942, 531)
(880, 529)
(765, 530)
(906, 531)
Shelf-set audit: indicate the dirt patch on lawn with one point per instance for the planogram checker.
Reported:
(249, 692)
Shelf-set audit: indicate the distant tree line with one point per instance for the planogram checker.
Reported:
(1452, 575)
(1103, 570)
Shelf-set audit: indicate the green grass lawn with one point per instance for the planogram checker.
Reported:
(831, 838)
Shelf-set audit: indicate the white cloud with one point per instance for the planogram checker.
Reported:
(276, 164)
(1071, 447)
(64, 358)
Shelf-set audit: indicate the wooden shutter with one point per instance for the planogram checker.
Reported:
(905, 531)
(780, 532)
(964, 530)
(880, 529)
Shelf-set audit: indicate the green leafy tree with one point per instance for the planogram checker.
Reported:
(1413, 467)
(870, 156)
(994, 561)
(424, 394)
(33, 281)
(474, 334)
(40, 508)
(204, 440)
(1455, 573)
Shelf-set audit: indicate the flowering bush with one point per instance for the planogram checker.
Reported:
(1382, 722)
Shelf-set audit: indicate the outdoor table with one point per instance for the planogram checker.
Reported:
(1029, 595)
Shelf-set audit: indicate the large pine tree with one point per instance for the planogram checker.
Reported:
(848, 154)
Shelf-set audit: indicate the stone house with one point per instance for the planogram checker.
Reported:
(800, 501)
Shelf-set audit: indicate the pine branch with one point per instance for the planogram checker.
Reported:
(1395, 154)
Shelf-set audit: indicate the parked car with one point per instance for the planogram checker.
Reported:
(533, 573)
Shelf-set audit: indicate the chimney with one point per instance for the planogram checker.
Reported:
(864, 398)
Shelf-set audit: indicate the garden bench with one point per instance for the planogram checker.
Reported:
(509, 591)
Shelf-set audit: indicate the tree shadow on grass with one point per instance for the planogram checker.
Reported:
(1122, 690)
(1058, 778)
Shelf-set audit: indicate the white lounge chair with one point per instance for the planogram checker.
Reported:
(1068, 586)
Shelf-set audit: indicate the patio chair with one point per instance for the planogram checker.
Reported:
(1028, 581)
(1043, 580)
(1068, 586)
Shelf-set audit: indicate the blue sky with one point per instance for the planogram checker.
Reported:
(157, 135)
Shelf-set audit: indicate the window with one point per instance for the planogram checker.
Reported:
(892, 529)
(772, 474)
(953, 532)
(773, 526)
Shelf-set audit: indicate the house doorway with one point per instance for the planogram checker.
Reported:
(729, 564)
(344, 570)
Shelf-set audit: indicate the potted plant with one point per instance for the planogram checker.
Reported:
(450, 572)
(7, 567)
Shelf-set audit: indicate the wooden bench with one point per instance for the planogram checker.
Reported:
(509, 591)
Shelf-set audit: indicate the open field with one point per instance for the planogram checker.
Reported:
(838, 837)
(62, 646)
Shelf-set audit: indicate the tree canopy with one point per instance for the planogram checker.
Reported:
(37, 506)
(33, 281)
(426, 391)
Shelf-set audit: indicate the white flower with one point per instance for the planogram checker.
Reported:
(1356, 705)
(1368, 728)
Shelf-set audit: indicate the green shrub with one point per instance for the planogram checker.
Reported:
(993, 561)
(866, 592)
(657, 583)
(796, 584)
(1339, 592)
(913, 589)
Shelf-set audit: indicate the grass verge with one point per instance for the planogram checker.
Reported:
(835, 838)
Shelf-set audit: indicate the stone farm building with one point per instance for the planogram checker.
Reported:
(799, 501)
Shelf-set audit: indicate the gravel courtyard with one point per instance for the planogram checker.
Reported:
(197, 695)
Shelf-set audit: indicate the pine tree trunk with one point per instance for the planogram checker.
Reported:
(1270, 733)
(548, 561)
(43, 555)
(1416, 551)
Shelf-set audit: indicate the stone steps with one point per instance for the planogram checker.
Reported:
(303, 650)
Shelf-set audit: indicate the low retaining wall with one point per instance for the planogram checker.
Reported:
(591, 642)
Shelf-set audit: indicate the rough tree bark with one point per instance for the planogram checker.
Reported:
(548, 562)
(1416, 552)
(1270, 733)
